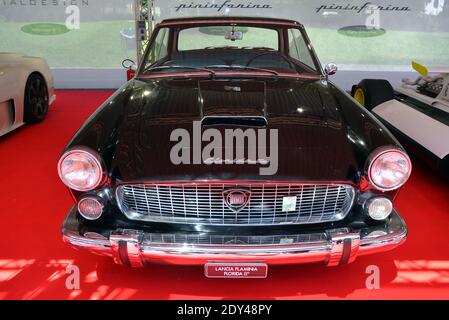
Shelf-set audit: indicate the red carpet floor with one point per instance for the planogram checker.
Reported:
(33, 259)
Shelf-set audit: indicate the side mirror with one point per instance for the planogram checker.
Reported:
(330, 69)
(130, 67)
(128, 64)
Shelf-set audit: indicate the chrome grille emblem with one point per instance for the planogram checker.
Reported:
(236, 199)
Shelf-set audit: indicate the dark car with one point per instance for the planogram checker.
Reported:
(232, 149)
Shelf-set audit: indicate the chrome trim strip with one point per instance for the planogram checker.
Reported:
(333, 247)
(267, 21)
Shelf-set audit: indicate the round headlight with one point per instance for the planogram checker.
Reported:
(389, 169)
(80, 169)
(379, 208)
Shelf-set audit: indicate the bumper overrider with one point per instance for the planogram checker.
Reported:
(136, 248)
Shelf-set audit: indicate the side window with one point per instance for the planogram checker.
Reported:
(159, 48)
(298, 48)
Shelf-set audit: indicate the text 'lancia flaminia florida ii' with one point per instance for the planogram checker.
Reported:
(231, 149)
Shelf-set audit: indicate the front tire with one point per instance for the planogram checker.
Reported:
(372, 92)
(36, 99)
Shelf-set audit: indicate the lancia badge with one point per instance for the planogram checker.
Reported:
(236, 199)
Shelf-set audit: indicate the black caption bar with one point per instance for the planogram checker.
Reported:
(219, 309)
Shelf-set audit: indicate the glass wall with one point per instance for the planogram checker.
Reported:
(70, 33)
(85, 41)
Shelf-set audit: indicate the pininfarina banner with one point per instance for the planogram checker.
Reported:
(387, 34)
(394, 14)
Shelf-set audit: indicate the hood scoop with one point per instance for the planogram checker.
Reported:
(233, 102)
(234, 121)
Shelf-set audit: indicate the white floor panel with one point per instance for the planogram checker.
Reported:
(428, 132)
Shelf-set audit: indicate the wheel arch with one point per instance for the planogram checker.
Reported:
(18, 97)
(35, 72)
(25, 115)
(39, 73)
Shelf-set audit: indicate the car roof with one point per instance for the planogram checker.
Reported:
(230, 19)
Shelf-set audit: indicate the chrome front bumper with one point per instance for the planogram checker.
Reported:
(334, 247)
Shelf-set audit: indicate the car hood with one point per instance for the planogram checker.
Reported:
(321, 133)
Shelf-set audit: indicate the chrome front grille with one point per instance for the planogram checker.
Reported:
(203, 203)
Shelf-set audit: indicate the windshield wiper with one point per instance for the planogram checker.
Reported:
(239, 67)
(259, 48)
(222, 47)
(149, 69)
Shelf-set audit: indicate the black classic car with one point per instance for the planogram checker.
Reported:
(231, 149)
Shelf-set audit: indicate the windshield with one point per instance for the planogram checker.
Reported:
(214, 48)
(215, 37)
